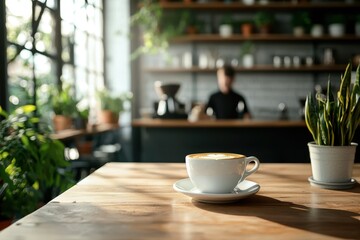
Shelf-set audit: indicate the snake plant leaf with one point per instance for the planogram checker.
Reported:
(318, 138)
(329, 113)
(311, 115)
(333, 119)
(344, 94)
(355, 102)
(355, 120)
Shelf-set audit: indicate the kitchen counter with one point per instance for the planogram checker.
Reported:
(162, 123)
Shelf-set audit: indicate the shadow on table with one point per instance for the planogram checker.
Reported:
(328, 222)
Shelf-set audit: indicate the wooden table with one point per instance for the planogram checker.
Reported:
(137, 201)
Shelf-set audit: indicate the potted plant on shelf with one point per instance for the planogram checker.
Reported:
(64, 107)
(357, 25)
(264, 21)
(83, 112)
(156, 29)
(336, 25)
(301, 22)
(332, 121)
(247, 55)
(111, 106)
(190, 21)
(226, 26)
(32, 165)
(247, 28)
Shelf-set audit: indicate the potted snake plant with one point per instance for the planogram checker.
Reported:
(332, 121)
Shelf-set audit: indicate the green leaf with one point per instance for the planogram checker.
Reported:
(311, 115)
(3, 113)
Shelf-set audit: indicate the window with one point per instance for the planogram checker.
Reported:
(53, 41)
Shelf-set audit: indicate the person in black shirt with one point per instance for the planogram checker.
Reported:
(226, 103)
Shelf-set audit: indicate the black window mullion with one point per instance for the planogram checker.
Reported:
(58, 42)
(3, 62)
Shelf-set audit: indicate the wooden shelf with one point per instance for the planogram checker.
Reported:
(261, 37)
(284, 6)
(166, 123)
(260, 68)
(74, 133)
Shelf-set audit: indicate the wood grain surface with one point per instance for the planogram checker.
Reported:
(137, 201)
(159, 123)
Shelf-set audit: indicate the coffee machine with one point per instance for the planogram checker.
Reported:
(168, 107)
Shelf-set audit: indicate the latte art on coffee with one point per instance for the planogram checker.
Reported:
(215, 156)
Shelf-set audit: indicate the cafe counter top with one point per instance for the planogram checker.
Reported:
(158, 123)
(170, 140)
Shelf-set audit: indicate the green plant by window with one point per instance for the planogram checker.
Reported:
(63, 102)
(32, 165)
(333, 120)
(115, 104)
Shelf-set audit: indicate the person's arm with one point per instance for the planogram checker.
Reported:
(209, 108)
(247, 114)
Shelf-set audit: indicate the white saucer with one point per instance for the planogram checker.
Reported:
(335, 186)
(245, 189)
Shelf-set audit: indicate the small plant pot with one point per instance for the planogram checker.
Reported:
(336, 29)
(109, 117)
(248, 61)
(85, 147)
(225, 30)
(317, 30)
(246, 29)
(248, 2)
(191, 30)
(264, 29)
(298, 31)
(332, 164)
(62, 122)
(357, 29)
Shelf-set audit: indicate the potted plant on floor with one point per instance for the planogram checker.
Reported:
(32, 165)
(111, 106)
(332, 122)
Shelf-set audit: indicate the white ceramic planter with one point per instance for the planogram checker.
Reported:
(248, 61)
(336, 29)
(332, 164)
(248, 2)
(317, 30)
(357, 29)
(225, 30)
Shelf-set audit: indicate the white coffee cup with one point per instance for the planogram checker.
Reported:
(218, 172)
